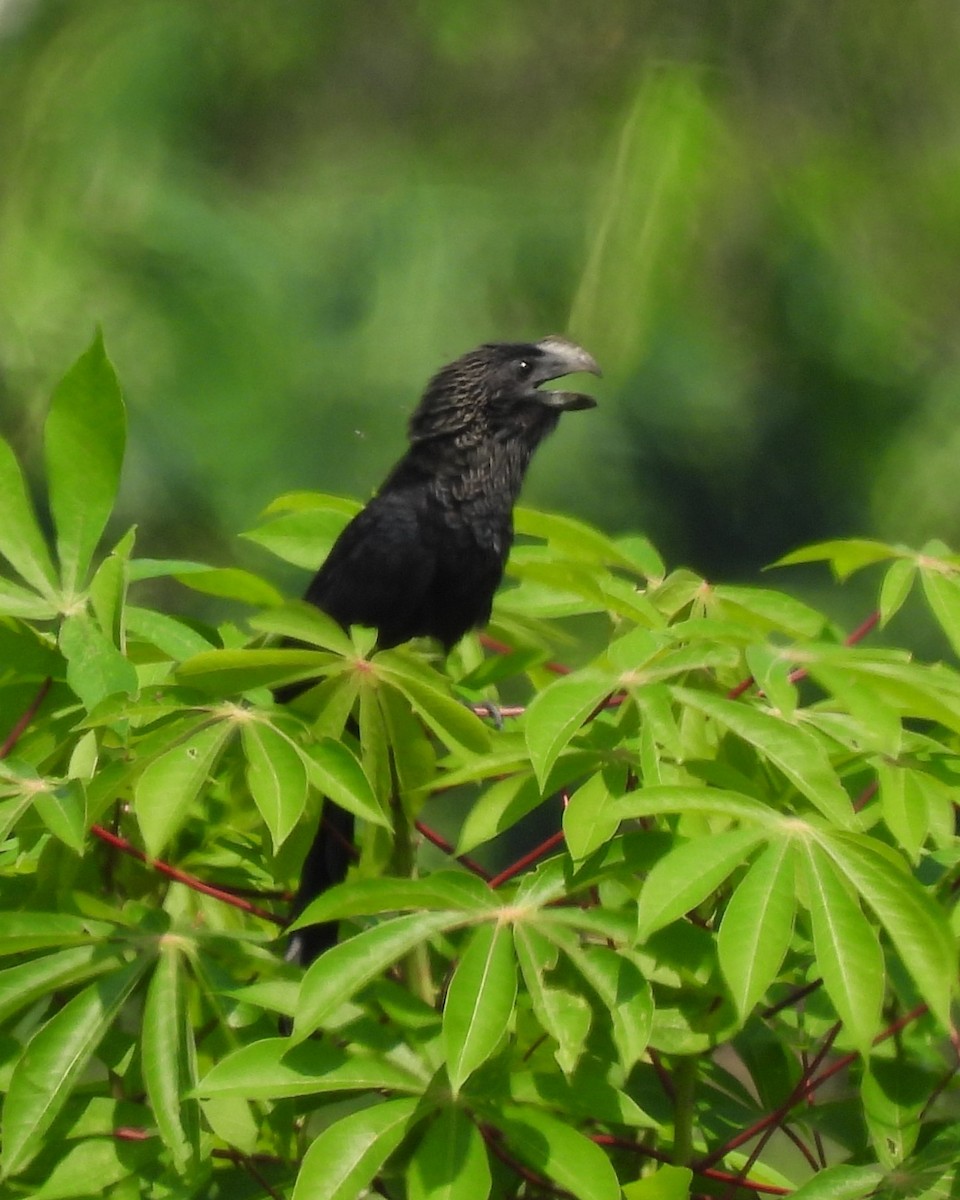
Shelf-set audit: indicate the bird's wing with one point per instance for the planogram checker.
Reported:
(380, 568)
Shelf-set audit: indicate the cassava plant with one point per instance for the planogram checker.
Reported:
(722, 965)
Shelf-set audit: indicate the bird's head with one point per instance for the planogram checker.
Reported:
(499, 385)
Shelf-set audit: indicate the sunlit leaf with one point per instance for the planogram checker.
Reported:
(557, 713)
(272, 1068)
(343, 1159)
(450, 1163)
(479, 1001)
(169, 1057)
(554, 1149)
(345, 968)
(690, 873)
(170, 784)
(84, 441)
(54, 1060)
(847, 950)
(21, 542)
(276, 776)
(757, 924)
(95, 667)
(797, 752)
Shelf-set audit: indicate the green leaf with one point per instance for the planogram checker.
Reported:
(904, 805)
(943, 596)
(16, 601)
(427, 691)
(171, 783)
(169, 1057)
(798, 753)
(841, 1183)
(54, 1060)
(305, 623)
(775, 609)
(895, 588)
(23, 932)
(226, 672)
(771, 670)
(589, 820)
(450, 1162)
(21, 542)
(558, 712)
(95, 667)
(303, 538)
(383, 894)
(63, 809)
(552, 1148)
(272, 1068)
(757, 926)
(500, 807)
(175, 638)
(231, 583)
(334, 770)
(571, 538)
(586, 1095)
(894, 1095)
(344, 1158)
(622, 989)
(564, 1015)
(844, 555)
(344, 969)
(666, 1183)
(276, 776)
(847, 951)
(51, 973)
(479, 1001)
(915, 924)
(688, 874)
(656, 801)
(84, 441)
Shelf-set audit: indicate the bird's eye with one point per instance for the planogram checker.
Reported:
(524, 368)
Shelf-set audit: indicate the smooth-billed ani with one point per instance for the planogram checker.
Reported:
(425, 556)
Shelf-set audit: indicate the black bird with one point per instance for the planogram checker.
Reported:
(425, 556)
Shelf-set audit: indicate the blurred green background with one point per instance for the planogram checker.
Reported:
(286, 214)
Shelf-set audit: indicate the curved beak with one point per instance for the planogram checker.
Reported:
(562, 357)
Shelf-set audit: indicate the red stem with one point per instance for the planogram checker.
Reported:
(17, 732)
(190, 881)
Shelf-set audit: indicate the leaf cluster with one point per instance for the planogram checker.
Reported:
(751, 890)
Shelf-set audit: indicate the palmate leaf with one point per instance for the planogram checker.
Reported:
(84, 441)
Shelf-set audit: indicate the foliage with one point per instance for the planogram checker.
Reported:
(753, 893)
(289, 214)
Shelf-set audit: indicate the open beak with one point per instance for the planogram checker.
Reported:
(562, 357)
